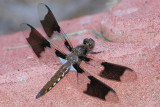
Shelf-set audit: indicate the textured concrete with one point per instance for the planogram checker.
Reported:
(133, 21)
(21, 76)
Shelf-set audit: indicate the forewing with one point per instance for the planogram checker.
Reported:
(35, 39)
(46, 52)
(51, 26)
(111, 71)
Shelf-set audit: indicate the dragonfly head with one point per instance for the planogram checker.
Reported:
(89, 43)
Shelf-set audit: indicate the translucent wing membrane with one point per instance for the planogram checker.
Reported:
(111, 71)
(51, 27)
(35, 39)
(106, 70)
(91, 86)
(98, 89)
(48, 20)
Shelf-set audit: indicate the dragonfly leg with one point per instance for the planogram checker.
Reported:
(95, 52)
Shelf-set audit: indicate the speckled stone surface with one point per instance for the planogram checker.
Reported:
(133, 21)
(22, 75)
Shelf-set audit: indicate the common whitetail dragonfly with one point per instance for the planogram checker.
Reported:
(73, 59)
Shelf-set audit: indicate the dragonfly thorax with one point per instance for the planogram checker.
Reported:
(72, 58)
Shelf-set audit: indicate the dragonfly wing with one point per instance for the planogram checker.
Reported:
(92, 86)
(98, 89)
(39, 43)
(49, 22)
(111, 71)
(35, 39)
(50, 25)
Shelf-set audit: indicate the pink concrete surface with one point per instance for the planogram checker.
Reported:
(133, 21)
(21, 77)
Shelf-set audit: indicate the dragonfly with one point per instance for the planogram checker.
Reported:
(73, 58)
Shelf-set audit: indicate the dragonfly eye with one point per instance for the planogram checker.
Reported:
(85, 41)
(91, 43)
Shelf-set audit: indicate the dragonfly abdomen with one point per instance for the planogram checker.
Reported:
(55, 79)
